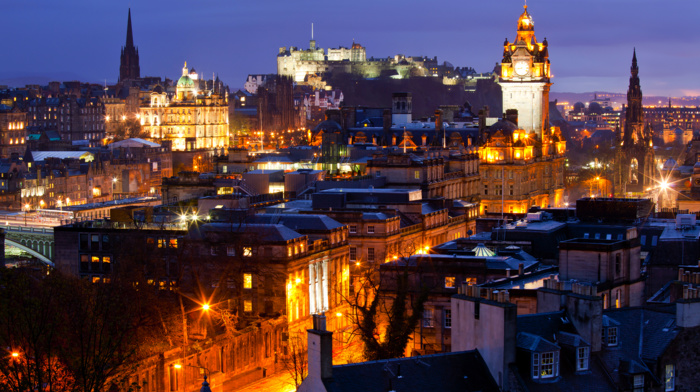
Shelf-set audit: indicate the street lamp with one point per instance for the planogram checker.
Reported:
(114, 184)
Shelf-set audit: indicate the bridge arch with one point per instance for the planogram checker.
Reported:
(29, 250)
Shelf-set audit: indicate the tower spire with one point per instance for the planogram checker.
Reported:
(634, 60)
(129, 68)
(129, 34)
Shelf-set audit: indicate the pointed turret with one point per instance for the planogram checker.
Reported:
(129, 35)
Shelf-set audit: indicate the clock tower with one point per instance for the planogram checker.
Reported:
(525, 77)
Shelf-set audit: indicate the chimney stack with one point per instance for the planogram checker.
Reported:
(320, 349)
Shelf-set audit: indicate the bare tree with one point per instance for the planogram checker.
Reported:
(296, 361)
(387, 306)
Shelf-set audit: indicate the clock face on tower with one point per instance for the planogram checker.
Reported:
(521, 68)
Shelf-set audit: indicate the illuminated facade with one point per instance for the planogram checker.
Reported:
(13, 131)
(525, 77)
(522, 157)
(300, 64)
(520, 170)
(193, 119)
(635, 172)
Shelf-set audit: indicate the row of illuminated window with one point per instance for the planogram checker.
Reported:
(15, 125)
(163, 242)
(95, 263)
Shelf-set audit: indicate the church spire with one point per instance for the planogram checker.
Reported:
(129, 68)
(129, 35)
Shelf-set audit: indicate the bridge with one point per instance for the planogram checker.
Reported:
(36, 241)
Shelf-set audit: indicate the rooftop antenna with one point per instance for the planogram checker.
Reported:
(312, 30)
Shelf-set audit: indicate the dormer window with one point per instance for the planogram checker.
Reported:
(545, 365)
(582, 354)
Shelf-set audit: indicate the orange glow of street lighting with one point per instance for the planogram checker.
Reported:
(15, 354)
(205, 307)
(177, 366)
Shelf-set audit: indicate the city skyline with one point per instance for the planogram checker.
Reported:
(590, 47)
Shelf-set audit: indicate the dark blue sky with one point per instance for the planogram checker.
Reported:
(590, 41)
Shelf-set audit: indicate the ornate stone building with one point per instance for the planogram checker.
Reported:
(195, 118)
(525, 77)
(522, 156)
(635, 171)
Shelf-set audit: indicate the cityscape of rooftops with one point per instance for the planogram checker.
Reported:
(350, 196)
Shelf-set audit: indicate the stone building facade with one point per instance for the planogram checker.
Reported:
(195, 118)
(13, 131)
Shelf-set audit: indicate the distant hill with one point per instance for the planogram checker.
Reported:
(42, 80)
(619, 99)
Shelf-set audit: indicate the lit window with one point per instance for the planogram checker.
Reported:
(247, 252)
(548, 365)
(173, 242)
(449, 282)
(670, 378)
(582, 358)
(247, 306)
(447, 318)
(416, 175)
(247, 281)
(162, 243)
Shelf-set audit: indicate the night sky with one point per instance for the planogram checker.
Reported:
(590, 41)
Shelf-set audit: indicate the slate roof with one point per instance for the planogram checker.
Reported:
(655, 329)
(545, 332)
(301, 222)
(535, 343)
(264, 232)
(461, 371)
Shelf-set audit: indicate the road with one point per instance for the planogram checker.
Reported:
(278, 382)
(18, 219)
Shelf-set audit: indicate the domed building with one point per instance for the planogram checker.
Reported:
(194, 118)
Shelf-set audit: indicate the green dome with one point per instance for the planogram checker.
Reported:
(185, 81)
